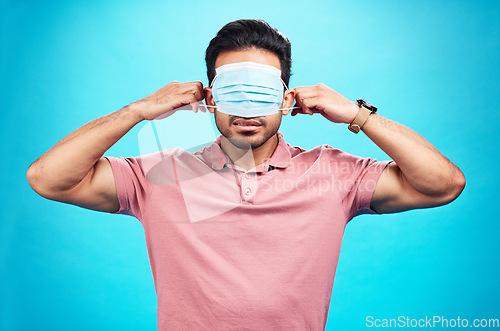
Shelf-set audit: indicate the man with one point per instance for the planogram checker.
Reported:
(246, 233)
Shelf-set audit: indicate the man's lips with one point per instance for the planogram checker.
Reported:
(244, 124)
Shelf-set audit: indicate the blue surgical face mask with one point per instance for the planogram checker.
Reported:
(248, 89)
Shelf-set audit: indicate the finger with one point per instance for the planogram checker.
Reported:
(297, 109)
(306, 94)
(302, 96)
(306, 91)
(310, 105)
(197, 82)
(303, 106)
(195, 106)
(195, 89)
(300, 108)
(200, 93)
(203, 107)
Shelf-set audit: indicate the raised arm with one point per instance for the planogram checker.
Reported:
(73, 171)
(420, 177)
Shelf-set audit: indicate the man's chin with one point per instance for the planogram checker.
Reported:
(247, 140)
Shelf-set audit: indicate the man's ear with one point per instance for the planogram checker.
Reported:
(288, 99)
(209, 98)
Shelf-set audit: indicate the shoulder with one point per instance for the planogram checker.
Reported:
(324, 151)
(146, 162)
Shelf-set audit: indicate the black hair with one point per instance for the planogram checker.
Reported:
(246, 34)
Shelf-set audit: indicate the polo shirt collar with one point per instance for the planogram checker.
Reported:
(217, 159)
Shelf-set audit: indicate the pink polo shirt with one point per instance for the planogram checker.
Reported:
(245, 250)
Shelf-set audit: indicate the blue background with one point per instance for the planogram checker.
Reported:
(431, 65)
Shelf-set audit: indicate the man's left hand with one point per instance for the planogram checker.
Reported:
(326, 101)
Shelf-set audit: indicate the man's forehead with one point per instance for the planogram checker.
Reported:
(252, 55)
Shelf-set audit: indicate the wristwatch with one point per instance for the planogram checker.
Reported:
(365, 110)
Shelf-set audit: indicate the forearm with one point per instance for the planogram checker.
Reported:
(71, 159)
(421, 164)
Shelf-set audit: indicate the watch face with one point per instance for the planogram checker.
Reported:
(363, 103)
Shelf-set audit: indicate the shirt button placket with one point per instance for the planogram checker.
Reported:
(248, 187)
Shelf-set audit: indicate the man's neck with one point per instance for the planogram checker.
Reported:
(249, 158)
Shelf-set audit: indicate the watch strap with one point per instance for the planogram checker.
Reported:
(360, 119)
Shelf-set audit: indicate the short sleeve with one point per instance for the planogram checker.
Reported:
(356, 179)
(131, 185)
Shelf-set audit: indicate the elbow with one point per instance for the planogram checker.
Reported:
(47, 184)
(35, 180)
(456, 185)
(460, 182)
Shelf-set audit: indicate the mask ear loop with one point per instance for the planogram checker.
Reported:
(286, 88)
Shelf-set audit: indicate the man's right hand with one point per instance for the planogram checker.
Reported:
(170, 97)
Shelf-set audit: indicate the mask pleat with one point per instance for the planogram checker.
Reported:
(248, 92)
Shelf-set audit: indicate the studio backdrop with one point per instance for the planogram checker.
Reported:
(430, 65)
